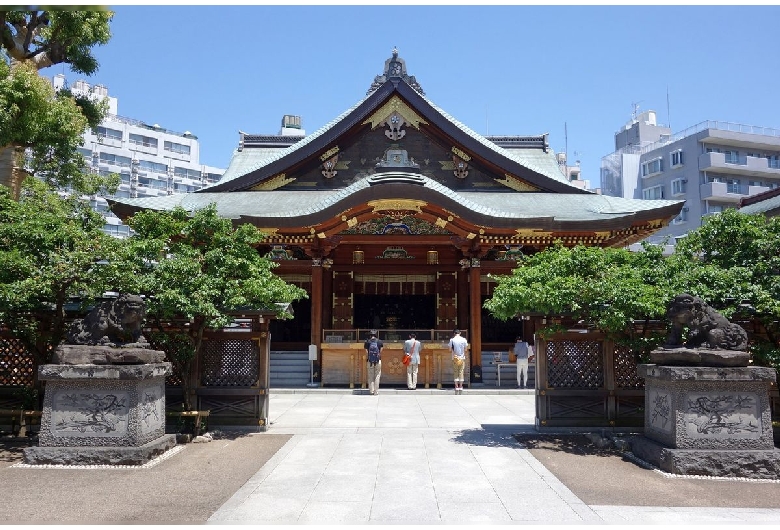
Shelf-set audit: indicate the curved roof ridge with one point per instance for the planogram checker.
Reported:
(496, 148)
(286, 151)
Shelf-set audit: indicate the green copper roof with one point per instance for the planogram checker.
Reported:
(537, 160)
(291, 204)
(772, 203)
(249, 160)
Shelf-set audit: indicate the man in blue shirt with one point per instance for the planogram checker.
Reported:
(458, 346)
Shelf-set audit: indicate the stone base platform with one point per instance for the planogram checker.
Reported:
(737, 463)
(90, 456)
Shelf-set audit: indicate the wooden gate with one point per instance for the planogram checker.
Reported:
(586, 380)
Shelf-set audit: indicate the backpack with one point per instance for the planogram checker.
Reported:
(373, 351)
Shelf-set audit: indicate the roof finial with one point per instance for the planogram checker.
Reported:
(395, 52)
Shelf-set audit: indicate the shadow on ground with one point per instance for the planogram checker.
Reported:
(606, 476)
(489, 436)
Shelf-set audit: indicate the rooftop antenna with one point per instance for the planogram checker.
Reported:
(566, 143)
(634, 109)
(668, 116)
(487, 122)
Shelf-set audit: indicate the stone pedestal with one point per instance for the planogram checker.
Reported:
(102, 414)
(704, 420)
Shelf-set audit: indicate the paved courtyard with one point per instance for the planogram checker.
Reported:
(403, 457)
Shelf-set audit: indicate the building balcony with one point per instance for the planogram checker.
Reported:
(723, 193)
(743, 165)
(718, 191)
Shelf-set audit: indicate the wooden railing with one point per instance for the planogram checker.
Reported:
(390, 335)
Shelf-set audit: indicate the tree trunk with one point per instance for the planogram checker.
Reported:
(11, 168)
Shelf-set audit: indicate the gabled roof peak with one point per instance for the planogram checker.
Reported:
(395, 67)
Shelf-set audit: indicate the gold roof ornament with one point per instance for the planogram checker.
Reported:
(395, 105)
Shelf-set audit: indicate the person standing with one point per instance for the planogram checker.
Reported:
(458, 347)
(522, 351)
(412, 348)
(373, 347)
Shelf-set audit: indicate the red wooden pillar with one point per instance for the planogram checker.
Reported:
(475, 313)
(316, 302)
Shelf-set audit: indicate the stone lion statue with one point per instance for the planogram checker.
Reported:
(706, 327)
(115, 322)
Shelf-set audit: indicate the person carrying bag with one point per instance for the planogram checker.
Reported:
(412, 349)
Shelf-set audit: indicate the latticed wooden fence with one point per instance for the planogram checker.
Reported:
(230, 377)
(17, 372)
(586, 380)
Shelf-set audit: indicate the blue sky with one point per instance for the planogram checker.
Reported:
(501, 70)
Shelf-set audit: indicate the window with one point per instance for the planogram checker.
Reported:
(652, 166)
(656, 192)
(145, 141)
(683, 217)
(176, 148)
(186, 173)
(732, 157)
(676, 158)
(116, 160)
(111, 134)
(774, 161)
(678, 186)
(714, 208)
(117, 230)
(152, 166)
(733, 186)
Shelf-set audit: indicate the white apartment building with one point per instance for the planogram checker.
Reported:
(711, 165)
(149, 159)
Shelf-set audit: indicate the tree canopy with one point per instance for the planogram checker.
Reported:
(45, 37)
(51, 247)
(606, 288)
(197, 268)
(732, 262)
(40, 130)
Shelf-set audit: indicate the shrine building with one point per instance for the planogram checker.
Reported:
(395, 217)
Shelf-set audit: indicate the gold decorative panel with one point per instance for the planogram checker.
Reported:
(461, 154)
(273, 183)
(530, 232)
(516, 184)
(395, 105)
(329, 153)
(397, 205)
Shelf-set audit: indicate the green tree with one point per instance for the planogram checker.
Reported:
(733, 262)
(198, 268)
(40, 130)
(608, 289)
(51, 248)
